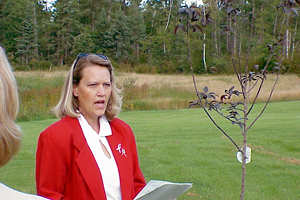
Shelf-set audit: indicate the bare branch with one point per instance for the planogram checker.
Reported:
(207, 113)
(235, 71)
(255, 98)
(232, 121)
(252, 86)
(262, 82)
(267, 102)
(268, 62)
(213, 121)
(195, 84)
(275, 24)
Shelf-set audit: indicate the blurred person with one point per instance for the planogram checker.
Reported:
(89, 154)
(10, 133)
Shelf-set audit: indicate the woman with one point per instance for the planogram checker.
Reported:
(89, 153)
(10, 134)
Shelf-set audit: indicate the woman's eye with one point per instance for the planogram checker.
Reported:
(107, 84)
(92, 84)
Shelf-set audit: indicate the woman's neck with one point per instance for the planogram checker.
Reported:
(94, 123)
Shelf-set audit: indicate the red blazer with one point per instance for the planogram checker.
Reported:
(66, 168)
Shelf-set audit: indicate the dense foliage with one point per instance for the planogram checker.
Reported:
(140, 34)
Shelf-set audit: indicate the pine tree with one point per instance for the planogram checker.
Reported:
(67, 27)
(26, 43)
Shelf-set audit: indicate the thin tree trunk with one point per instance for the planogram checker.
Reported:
(204, 51)
(169, 16)
(213, 4)
(27, 55)
(240, 48)
(204, 41)
(137, 50)
(216, 39)
(228, 33)
(168, 21)
(189, 47)
(219, 40)
(244, 133)
(294, 40)
(93, 15)
(242, 195)
(252, 33)
(109, 11)
(287, 43)
(234, 36)
(63, 49)
(35, 30)
(275, 26)
(153, 16)
(261, 37)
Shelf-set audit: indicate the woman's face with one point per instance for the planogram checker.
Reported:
(93, 91)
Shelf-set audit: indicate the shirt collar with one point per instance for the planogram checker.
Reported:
(105, 129)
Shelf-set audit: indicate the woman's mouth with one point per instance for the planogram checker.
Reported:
(100, 104)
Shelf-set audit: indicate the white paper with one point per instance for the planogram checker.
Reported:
(162, 190)
(8, 193)
(239, 155)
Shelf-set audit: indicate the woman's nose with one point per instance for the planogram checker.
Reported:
(100, 91)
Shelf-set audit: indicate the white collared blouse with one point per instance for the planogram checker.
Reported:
(107, 166)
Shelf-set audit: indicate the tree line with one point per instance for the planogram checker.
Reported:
(150, 35)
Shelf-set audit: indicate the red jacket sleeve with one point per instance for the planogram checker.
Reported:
(51, 164)
(139, 180)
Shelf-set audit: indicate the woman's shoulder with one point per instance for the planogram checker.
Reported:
(116, 122)
(122, 128)
(65, 125)
(12, 194)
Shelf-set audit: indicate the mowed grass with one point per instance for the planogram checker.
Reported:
(184, 146)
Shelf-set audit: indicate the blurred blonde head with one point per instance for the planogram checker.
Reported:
(10, 134)
(68, 103)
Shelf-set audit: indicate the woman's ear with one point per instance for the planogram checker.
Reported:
(75, 91)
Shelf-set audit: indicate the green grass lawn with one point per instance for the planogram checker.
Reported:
(183, 146)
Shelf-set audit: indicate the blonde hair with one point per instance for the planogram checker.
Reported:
(68, 103)
(10, 133)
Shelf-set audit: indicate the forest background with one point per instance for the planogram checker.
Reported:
(139, 35)
(145, 38)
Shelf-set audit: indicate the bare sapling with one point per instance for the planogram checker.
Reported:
(237, 103)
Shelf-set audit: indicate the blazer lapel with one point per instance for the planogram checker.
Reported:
(116, 142)
(87, 164)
